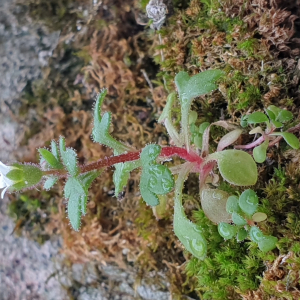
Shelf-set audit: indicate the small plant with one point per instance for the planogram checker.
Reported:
(273, 119)
(244, 215)
(235, 166)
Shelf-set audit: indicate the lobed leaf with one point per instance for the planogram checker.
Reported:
(191, 87)
(100, 131)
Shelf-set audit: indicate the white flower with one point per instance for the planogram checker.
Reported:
(5, 183)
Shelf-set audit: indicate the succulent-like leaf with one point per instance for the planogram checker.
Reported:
(259, 217)
(232, 204)
(227, 231)
(290, 139)
(255, 234)
(69, 158)
(236, 166)
(213, 203)
(257, 117)
(267, 243)
(156, 179)
(248, 202)
(241, 235)
(260, 152)
(188, 233)
(238, 219)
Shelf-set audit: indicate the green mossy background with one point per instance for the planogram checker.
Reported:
(254, 43)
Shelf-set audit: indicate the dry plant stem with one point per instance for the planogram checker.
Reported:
(131, 156)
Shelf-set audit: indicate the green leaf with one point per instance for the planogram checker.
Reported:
(232, 204)
(86, 180)
(255, 234)
(257, 117)
(284, 116)
(244, 122)
(277, 124)
(203, 126)
(74, 192)
(101, 127)
(260, 152)
(50, 182)
(259, 217)
(156, 179)
(236, 166)
(50, 158)
(197, 85)
(248, 202)
(271, 114)
(241, 235)
(122, 173)
(275, 110)
(55, 151)
(290, 139)
(15, 175)
(188, 233)
(69, 158)
(267, 243)
(238, 219)
(227, 231)
(213, 203)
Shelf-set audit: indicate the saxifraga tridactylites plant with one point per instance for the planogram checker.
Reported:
(235, 166)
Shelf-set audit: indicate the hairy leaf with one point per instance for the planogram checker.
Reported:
(232, 204)
(238, 219)
(69, 158)
(50, 182)
(50, 159)
(101, 127)
(255, 234)
(241, 235)
(229, 139)
(75, 193)
(236, 166)
(188, 233)
(197, 85)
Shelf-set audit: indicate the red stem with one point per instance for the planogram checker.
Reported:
(131, 156)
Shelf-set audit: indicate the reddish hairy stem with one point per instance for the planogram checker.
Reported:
(252, 145)
(130, 156)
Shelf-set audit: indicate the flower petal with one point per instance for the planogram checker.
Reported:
(3, 192)
(4, 169)
(2, 182)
